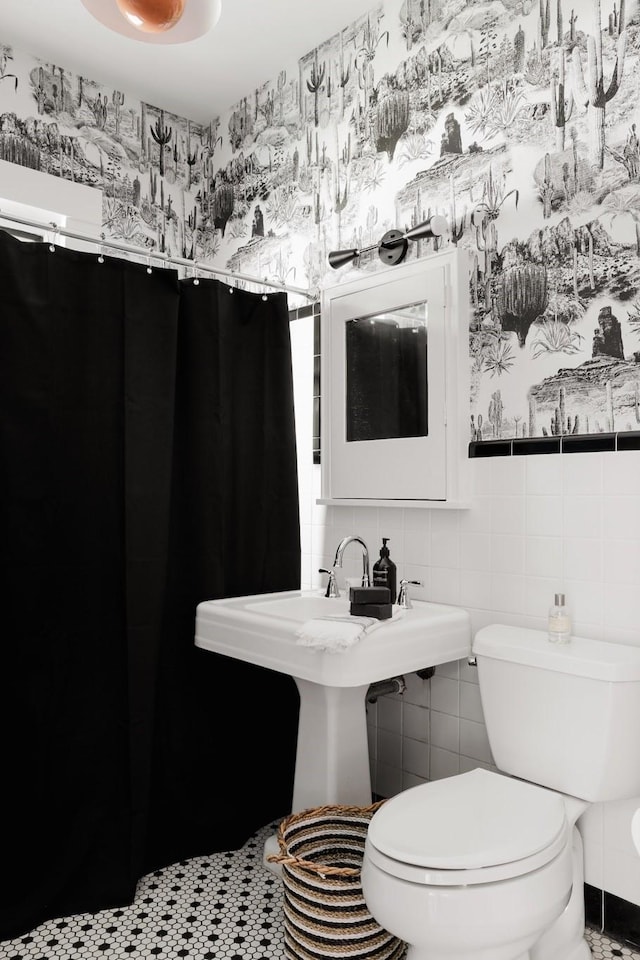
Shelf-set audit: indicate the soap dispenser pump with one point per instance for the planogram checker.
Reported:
(384, 570)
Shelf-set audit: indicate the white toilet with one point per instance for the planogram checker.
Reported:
(489, 866)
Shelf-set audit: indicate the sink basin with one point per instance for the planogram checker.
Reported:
(332, 758)
(262, 630)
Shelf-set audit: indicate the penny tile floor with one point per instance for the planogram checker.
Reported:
(226, 906)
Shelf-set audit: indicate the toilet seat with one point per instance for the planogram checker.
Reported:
(477, 827)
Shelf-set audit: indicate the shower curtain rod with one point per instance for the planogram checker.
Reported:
(52, 227)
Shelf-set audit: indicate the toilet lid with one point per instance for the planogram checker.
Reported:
(471, 821)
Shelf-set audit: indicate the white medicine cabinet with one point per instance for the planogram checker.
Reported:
(395, 385)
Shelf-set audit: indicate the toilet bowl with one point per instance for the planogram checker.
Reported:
(489, 865)
(486, 858)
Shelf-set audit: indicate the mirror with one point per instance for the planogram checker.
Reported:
(386, 370)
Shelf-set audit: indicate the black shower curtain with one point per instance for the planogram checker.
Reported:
(147, 462)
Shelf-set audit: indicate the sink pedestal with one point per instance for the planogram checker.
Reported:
(332, 756)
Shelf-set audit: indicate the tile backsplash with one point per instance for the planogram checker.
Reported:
(537, 525)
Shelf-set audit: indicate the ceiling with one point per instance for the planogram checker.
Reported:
(251, 43)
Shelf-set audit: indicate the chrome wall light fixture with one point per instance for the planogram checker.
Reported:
(393, 246)
(157, 21)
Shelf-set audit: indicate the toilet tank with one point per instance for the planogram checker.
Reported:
(565, 716)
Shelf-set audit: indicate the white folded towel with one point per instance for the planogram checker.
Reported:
(337, 634)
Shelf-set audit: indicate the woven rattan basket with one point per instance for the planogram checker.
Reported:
(325, 914)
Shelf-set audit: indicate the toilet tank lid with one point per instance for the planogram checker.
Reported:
(582, 657)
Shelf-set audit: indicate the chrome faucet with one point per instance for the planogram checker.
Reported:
(404, 600)
(332, 590)
(366, 572)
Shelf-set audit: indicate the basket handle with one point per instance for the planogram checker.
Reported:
(323, 870)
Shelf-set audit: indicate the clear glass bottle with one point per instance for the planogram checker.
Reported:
(559, 621)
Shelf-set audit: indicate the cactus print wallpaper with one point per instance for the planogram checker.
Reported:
(155, 170)
(516, 119)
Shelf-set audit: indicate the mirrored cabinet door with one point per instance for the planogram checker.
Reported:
(390, 366)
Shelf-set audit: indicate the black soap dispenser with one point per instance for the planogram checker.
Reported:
(384, 571)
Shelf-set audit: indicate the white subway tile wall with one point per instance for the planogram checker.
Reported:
(537, 525)
(573, 524)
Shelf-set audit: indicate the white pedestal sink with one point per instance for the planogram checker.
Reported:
(332, 758)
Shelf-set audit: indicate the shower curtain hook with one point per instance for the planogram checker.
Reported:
(100, 254)
(52, 245)
(196, 278)
(149, 270)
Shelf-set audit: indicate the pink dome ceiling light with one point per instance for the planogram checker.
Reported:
(152, 16)
(157, 21)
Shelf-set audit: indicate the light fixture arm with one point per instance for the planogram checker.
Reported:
(392, 247)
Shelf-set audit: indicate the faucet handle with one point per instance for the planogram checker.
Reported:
(332, 584)
(404, 600)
